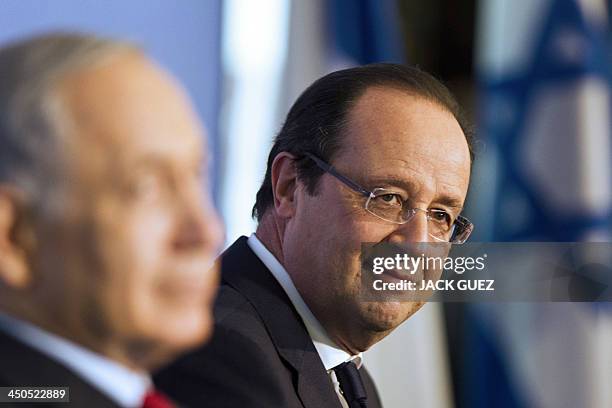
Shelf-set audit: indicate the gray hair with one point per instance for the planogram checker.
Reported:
(31, 115)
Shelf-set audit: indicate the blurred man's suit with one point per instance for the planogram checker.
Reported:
(35, 368)
(256, 326)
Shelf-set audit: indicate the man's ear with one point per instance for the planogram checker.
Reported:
(284, 183)
(14, 266)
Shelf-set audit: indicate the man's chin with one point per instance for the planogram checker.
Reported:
(183, 333)
(386, 316)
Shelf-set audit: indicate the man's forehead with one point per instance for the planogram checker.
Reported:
(400, 137)
(130, 103)
(112, 87)
(390, 118)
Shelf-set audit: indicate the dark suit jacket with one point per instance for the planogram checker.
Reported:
(261, 355)
(22, 366)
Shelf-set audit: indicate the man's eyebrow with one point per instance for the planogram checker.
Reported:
(381, 181)
(449, 201)
(444, 199)
(157, 160)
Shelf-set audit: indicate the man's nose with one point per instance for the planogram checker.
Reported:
(200, 226)
(213, 228)
(415, 230)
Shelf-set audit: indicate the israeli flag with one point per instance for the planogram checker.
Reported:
(544, 69)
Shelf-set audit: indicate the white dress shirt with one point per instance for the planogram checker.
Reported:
(124, 386)
(331, 355)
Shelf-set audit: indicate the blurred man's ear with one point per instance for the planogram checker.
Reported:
(284, 182)
(14, 265)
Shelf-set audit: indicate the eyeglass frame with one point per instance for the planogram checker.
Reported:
(328, 168)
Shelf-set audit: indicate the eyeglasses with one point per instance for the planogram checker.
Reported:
(389, 206)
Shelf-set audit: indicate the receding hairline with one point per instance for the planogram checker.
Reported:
(61, 118)
(111, 56)
(34, 116)
(400, 89)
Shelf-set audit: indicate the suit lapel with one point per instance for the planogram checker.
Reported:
(245, 272)
(314, 385)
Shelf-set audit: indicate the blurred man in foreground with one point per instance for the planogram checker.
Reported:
(378, 153)
(106, 235)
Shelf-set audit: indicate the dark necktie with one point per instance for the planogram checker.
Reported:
(155, 399)
(351, 385)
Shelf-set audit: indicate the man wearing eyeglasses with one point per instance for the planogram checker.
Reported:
(378, 153)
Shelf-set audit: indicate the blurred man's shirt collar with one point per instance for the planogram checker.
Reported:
(331, 355)
(126, 387)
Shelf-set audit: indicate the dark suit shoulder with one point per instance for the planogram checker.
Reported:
(230, 303)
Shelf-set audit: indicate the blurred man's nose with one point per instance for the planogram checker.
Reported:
(200, 227)
(415, 230)
(213, 228)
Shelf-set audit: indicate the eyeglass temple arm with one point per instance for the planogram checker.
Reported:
(328, 168)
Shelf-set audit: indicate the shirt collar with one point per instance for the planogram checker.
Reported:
(124, 386)
(331, 355)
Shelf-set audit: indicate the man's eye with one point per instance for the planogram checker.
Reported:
(146, 187)
(391, 199)
(440, 216)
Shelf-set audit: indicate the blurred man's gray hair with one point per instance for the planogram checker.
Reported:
(31, 116)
